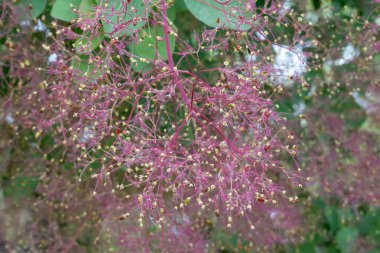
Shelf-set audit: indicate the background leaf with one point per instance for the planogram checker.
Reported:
(214, 14)
(21, 186)
(125, 17)
(82, 64)
(63, 9)
(332, 218)
(152, 43)
(38, 6)
(86, 7)
(86, 44)
(346, 238)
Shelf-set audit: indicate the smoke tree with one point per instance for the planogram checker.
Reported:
(179, 126)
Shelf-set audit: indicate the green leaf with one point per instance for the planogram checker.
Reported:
(316, 4)
(307, 247)
(63, 9)
(141, 66)
(345, 215)
(38, 6)
(332, 217)
(86, 7)
(153, 43)
(125, 22)
(353, 115)
(370, 224)
(346, 238)
(85, 43)
(214, 14)
(234, 240)
(21, 186)
(377, 250)
(86, 68)
(88, 41)
(180, 5)
(370, 126)
(172, 14)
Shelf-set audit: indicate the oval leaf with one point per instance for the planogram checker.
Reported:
(36, 6)
(346, 238)
(84, 67)
(88, 42)
(152, 44)
(63, 9)
(215, 14)
(124, 18)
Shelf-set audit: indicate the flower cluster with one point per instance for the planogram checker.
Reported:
(163, 128)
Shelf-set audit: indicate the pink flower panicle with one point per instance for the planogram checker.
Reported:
(176, 133)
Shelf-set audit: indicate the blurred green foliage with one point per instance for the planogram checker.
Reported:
(337, 228)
